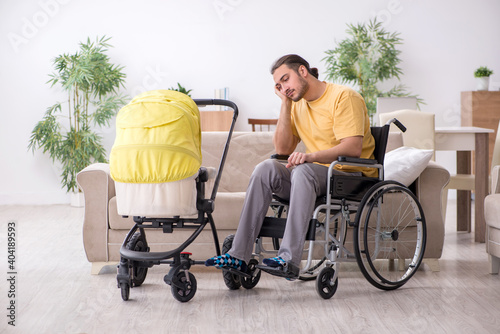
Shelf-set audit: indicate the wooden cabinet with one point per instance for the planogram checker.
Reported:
(482, 109)
(216, 120)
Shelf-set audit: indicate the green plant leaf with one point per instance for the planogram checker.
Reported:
(106, 108)
(92, 84)
(482, 71)
(181, 89)
(368, 56)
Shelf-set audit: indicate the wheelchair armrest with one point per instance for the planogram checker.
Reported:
(340, 159)
(358, 162)
(345, 159)
(280, 156)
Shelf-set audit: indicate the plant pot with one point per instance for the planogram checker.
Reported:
(482, 83)
(77, 199)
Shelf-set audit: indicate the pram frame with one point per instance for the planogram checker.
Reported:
(134, 262)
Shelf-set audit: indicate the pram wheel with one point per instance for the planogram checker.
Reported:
(184, 290)
(390, 236)
(325, 284)
(250, 282)
(138, 244)
(125, 290)
(232, 281)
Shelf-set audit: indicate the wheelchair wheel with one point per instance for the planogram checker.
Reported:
(390, 235)
(325, 283)
(138, 244)
(186, 293)
(232, 281)
(249, 283)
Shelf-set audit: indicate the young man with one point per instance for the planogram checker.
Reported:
(332, 121)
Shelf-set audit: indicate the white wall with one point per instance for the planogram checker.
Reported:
(208, 44)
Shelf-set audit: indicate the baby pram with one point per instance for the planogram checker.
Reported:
(156, 164)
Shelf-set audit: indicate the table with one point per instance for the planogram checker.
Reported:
(464, 140)
(216, 120)
(481, 109)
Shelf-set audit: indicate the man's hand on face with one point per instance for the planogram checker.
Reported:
(297, 158)
(282, 96)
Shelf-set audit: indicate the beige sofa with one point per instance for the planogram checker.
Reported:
(492, 218)
(104, 230)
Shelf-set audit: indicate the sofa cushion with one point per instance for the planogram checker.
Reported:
(246, 150)
(404, 164)
(228, 210)
(116, 221)
(492, 210)
(226, 215)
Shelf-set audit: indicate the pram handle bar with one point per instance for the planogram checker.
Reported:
(232, 105)
(217, 102)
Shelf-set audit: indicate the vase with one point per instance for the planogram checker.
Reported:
(482, 83)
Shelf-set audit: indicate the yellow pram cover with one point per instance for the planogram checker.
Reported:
(158, 139)
(157, 154)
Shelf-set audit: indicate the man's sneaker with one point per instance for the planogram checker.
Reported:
(278, 267)
(226, 261)
(274, 262)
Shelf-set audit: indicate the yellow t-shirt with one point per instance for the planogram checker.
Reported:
(339, 113)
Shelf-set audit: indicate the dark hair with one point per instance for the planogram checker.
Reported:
(294, 62)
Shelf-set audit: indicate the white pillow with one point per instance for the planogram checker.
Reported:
(405, 164)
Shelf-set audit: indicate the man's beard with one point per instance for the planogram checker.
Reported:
(302, 90)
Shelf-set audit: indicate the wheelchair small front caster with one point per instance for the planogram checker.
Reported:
(325, 284)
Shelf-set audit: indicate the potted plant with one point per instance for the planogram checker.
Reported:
(366, 58)
(482, 75)
(181, 89)
(68, 133)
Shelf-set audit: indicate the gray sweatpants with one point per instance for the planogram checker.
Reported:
(300, 185)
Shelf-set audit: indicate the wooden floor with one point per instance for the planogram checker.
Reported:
(55, 292)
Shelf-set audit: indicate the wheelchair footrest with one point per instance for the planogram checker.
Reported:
(235, 272)
(289, 271)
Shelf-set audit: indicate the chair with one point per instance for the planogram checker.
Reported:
(383, 238)
(495, 159)
(420, 126)
(388, 104)
(420, 133)
(466, 182)
(260, 122)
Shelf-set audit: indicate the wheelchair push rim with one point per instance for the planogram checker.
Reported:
(390, 235)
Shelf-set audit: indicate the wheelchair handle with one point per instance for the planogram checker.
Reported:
(397, 123)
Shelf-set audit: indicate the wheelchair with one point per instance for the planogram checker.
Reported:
(385, 218)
